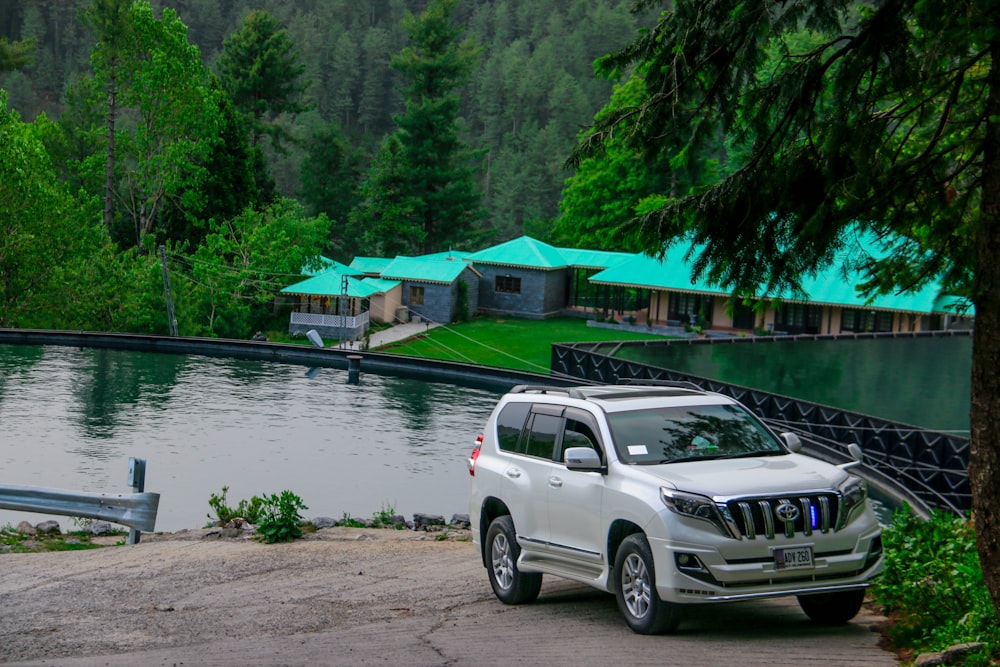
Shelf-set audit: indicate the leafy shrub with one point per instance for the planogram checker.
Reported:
(384, 518)
(246, 509)
(280, 519)
(932, 586)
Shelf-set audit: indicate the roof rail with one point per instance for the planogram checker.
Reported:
(545, 389)
(684, 384)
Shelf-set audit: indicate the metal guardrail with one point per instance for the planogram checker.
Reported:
(135, 510)
(931, 465)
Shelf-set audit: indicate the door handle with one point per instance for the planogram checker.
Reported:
(513, 473)
(555, 482)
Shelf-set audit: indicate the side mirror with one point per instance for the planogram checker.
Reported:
(583, 459)
(792, 441)
(858, 454)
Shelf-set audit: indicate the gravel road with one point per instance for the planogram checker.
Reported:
(350, 596)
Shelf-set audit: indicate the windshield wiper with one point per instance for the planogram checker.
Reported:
(747, 455)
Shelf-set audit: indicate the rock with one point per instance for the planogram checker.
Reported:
(50, 527)
(324, 522)
(953, 655)
(101, 528)
(26, 528)
(460, 521)
(423, 521)
(238, 528)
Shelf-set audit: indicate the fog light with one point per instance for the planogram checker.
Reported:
(688, 563)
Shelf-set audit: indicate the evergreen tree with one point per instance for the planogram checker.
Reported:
(15, 55)
(330, 175)
(261, 72)
(436, 178)
(384, 222)
(883, 116)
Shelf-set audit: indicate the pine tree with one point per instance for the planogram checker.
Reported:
(261, 71)
(883, 116)
(437, 178)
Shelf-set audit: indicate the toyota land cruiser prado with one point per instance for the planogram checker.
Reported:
(665, 496)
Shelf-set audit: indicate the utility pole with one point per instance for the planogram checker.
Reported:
(342, 309)
(168, 293)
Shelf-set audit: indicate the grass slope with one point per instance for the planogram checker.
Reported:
(524, 345)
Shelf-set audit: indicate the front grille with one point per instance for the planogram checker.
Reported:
(786, 515)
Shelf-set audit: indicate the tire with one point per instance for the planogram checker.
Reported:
(832, 608)
(510, 585)
(635, 589)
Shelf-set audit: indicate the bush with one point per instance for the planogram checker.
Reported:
(932, 586)
(279, 520)
(246, 509)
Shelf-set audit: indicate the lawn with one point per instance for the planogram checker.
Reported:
(506, 343)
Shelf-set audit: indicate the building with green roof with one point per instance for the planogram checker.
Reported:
(830, 302)
(525, 277)
(436, 287)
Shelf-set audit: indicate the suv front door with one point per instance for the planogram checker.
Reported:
(574, 497)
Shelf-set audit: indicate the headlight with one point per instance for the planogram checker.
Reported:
(694, 506)
(853, 493)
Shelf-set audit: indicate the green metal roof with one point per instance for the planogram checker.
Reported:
(837, 286)
(593, 259)
(447, 254)
(381, 284)
(331, 284)
(329, 264)
(421, 269)
(524, 251)
(672, 273)
(370, 264)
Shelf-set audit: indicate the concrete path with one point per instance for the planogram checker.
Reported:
(398, 333)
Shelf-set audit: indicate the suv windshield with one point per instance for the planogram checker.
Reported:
(690, 433)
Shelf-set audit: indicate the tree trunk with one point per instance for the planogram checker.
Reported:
(984, 455)
(109, 166)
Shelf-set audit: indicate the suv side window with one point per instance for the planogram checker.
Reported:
(580, 431)
(540, 438)
(510, 423)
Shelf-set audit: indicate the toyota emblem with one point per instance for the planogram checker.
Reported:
(787, 512)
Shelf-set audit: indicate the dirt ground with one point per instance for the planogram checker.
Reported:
(352, 596)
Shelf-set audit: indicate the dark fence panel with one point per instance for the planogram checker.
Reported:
(931, 465)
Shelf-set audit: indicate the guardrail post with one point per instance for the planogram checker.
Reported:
(137, 480)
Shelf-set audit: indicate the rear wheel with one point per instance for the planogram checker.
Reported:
(510, 585)
(832, 608)
(635, 589)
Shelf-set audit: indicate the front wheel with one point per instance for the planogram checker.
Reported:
(635, 589)
(832, 608)
(510, 585)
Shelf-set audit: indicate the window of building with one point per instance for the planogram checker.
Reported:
(508, 284)
(690, 308)
(798, 318)
(416, 295)
(857, 320)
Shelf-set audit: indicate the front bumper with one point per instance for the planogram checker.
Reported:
(725, 569)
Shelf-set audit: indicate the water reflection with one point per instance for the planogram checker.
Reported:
(920, 381)
(70, 418)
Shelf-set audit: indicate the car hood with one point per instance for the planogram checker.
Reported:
(764, 475)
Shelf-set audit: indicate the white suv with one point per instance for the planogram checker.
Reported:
(665, 496)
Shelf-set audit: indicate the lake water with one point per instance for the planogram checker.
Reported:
(70, 418)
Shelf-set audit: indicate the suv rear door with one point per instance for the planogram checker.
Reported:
(526, 477)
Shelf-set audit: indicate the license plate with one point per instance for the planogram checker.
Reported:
(790, 557)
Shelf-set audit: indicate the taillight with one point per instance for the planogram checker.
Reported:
(475, 455)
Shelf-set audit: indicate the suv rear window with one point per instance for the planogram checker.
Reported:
(510, 421)
(690, 433)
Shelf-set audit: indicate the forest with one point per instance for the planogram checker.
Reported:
(207, 125)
